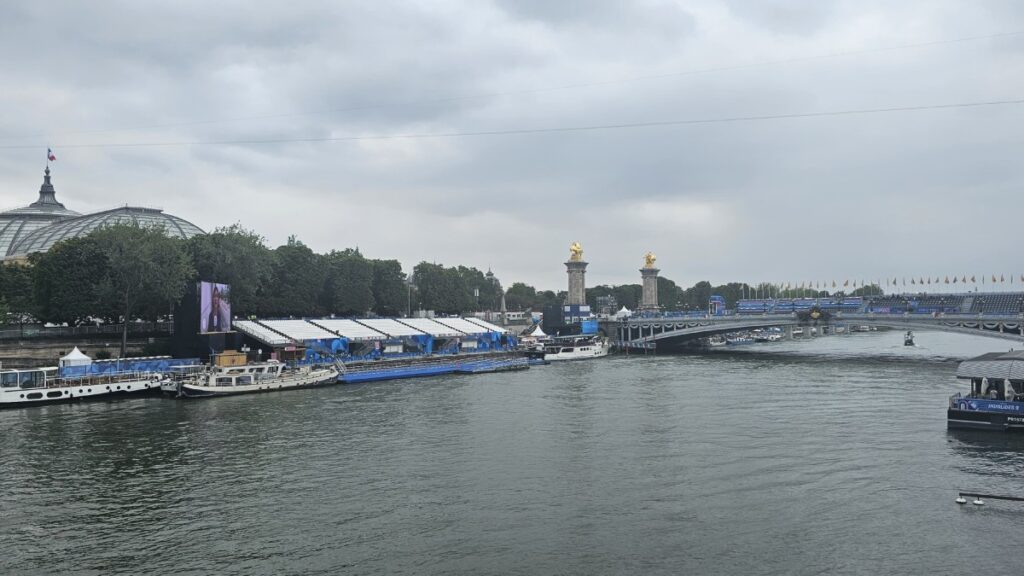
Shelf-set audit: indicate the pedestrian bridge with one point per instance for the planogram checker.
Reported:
(652, 332)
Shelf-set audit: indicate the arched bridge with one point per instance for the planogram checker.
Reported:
(648, 332)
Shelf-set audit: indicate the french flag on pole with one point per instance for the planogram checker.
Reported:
(49, 155)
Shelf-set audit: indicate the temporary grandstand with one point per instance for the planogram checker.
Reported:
(351, 339)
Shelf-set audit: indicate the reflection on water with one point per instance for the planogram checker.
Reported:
(828, 456)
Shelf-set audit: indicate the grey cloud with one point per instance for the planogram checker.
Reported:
(772, 200)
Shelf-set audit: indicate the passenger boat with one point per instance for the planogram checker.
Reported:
(908, 338)
(996, 398)
(32, 386)
(571, 348)
(246, 379)
(716, 341)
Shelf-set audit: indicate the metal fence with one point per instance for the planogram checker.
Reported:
(35, 331)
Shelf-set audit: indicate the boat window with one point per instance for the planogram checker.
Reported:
(224, 381)
(243, 380)
(9, 380)
(34, 396)
(54, 394)
(260, 370)
(31, 379)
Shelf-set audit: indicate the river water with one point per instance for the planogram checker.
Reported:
(827, 456)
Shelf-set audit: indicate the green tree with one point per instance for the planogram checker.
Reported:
(67, 281)
(869, 290)
(146, 271)
(16, 287)
(237, 257)
(348, 283)
(669, 294)
(297, 282)
(520, 296)
(390, 291)
(442, 289)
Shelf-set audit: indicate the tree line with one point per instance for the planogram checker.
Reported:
(127, 271)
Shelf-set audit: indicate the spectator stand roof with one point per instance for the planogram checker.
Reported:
(435, 329)
(463, 326)
(350, 329)
(391, 327)
(487, 325)
(299, 330)
(260, 332)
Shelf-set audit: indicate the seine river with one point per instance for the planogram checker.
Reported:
(822, 457)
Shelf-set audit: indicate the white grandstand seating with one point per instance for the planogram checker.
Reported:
(390, 327)
(487, 325)
(259, 332)
(431, 327)
(350, 329)
(463, 326)
(299, 329)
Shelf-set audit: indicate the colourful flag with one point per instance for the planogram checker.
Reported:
(49, 155)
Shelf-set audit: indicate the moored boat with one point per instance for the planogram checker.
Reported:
(572, 348)
(32, 386)
(996, 398)
(249, 378)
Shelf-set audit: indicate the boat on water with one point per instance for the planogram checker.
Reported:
(996, 398)
(908, 338)
(716, 341)
(230, 374)
(570, 348)
(32, 386)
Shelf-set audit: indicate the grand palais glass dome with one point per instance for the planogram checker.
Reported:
(40, 225)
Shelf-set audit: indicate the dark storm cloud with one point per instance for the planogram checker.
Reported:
(798, 199)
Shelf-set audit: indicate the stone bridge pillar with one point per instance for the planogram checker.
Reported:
(649, 296)
(577, 271)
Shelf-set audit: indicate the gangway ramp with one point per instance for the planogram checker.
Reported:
(299, 330)
(349, 329)
(390, 327)
(261, 332)
(435, 329)
(464, 326)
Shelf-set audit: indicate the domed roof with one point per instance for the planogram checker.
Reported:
(16, 224)
(42, 239)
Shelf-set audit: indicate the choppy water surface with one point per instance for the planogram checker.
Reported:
(830, 456)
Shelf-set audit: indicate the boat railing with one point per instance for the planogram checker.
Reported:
(101, 379)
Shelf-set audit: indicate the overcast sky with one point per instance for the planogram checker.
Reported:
(929, 192)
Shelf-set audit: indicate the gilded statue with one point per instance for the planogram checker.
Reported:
(649, 260)
(575, 252)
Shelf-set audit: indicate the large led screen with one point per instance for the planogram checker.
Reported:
(214, 307)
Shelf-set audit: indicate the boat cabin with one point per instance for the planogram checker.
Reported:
(247, 374)
(27, 378)
(995, 376)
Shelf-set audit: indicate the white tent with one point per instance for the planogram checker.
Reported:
(623, 313)
(537, 332)
(75, 358)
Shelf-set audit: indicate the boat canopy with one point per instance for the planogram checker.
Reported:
(994, 365)
(75, 358)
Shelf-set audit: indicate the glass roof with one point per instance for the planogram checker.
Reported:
(41, 239)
